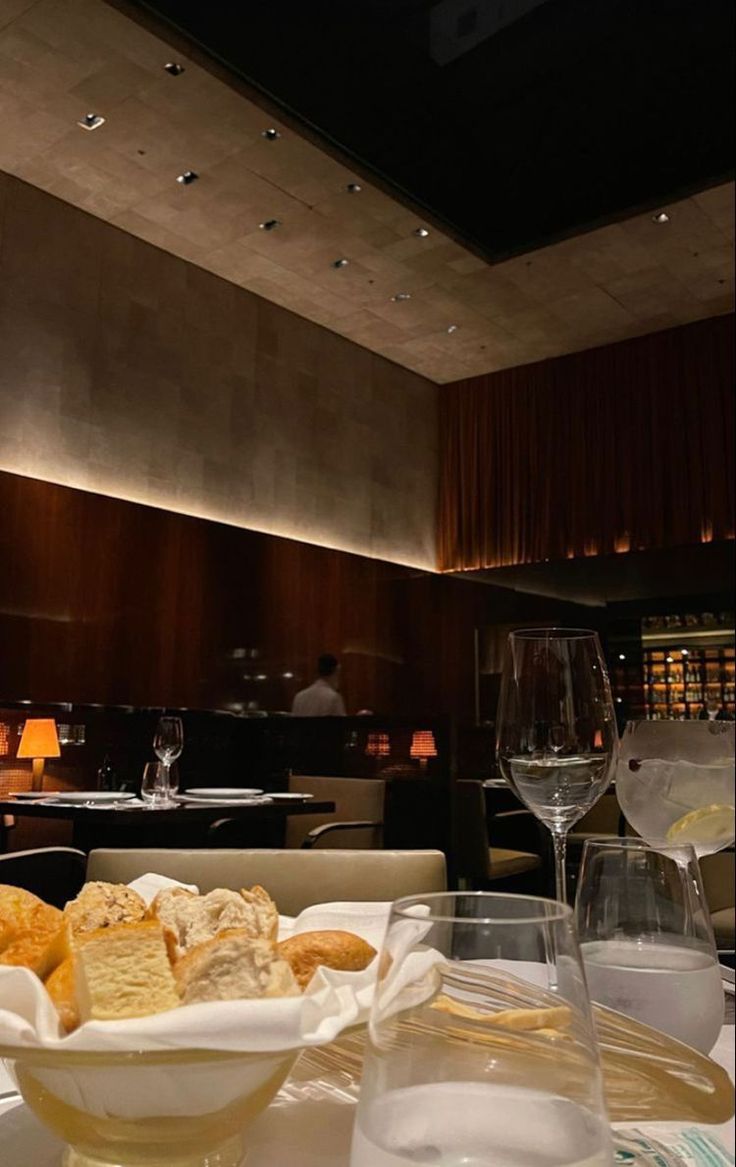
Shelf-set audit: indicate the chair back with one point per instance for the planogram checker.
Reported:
(55, 874)
(719, 879)
(354, 798)
(295, 879)
(471, 846)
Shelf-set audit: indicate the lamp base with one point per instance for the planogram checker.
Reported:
(37, 777)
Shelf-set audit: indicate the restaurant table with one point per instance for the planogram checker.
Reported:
(183, 826)
(309, 1123)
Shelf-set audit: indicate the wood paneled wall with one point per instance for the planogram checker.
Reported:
(112, 602)
(621, 448)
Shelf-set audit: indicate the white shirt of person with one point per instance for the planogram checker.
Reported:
(319, 700)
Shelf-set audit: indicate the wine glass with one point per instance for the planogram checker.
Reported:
(168, 743)
(556, 728)
(153, 789)
(646, 938)
(675, 781)
(480, 1043)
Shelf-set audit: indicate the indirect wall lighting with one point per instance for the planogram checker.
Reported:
(661, 217)
(188, 177)
(91, 121)
(174, 69)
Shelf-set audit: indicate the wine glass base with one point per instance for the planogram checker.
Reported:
(229, 1154)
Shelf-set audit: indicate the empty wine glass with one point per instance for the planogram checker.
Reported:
(153, 784)
(646, 938)
(480, 1042)
(556, 728)
(168, 743)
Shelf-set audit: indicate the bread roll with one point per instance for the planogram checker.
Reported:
(233, 965)
(339, 950)
(123, 971)
(40, 942)
(191, 920)
(102, 905)
(16, 908)
(60, 988)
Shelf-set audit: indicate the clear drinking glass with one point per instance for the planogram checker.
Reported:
(675, 781)
(154, 788)
(480, 1047)
(168, 743)
(556, 728)
(646, 938)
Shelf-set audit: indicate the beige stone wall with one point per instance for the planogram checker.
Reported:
(129, 372)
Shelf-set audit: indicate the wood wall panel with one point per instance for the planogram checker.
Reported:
(111, 602)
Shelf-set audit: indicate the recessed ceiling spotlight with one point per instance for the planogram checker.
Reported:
(340, 262)
(91, 121)
(270, 224)
(174, 69)
(188, 177)
(661, 217)
(401, 296)
(452, 327)
(353, 188)
(685, 651)
(421, 232)
(271, 135)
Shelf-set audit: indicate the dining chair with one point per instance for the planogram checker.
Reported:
(356, 822)
(719, 877)
(294, 878)
(55, 874)
(476, 861)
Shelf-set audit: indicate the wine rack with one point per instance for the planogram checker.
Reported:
(681, 682)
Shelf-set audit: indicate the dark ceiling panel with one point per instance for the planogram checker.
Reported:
(513, 122)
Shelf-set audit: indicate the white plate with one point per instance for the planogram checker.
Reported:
(229, 792)
(193, 800)
(89, 796)
(290, 796)
(30, 794)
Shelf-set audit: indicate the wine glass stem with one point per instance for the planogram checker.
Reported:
(166, 783)
(559, 840)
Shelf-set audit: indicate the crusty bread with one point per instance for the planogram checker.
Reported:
(60, 988)
(190, 919)
(306, 951)
(16, 908)
(123, 971)
(233, 965)
(102, 905)
(39, 942)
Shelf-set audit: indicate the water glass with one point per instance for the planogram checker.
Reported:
(646, 937)
(480, 1045)
(155, 786)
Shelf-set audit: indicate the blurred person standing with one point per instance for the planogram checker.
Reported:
(321, 698)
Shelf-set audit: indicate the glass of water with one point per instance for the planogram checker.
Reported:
(646, 938)
(556, 728)
(480, 1045)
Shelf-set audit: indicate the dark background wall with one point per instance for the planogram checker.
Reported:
(117, 603)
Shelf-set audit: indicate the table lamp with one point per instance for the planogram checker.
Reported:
(423, 746)
(377, 745)
(39, 741)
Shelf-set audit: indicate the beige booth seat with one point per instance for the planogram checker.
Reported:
(295, 879)
(719, 877)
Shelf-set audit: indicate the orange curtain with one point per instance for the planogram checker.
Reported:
(619, 448)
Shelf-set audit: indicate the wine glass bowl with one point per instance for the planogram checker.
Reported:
(675, 781)
(556, 728)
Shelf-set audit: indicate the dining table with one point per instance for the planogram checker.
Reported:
(132, 823)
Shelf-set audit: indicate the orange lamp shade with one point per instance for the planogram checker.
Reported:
(39, 739)
(422, 744)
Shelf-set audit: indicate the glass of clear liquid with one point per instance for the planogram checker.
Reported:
(675, 781)
(556, 728)
(480, 1048)
(646, 938)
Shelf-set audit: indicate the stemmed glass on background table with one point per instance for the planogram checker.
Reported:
(168, 743)
(556, 728)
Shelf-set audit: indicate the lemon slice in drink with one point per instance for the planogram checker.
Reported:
(708, 826)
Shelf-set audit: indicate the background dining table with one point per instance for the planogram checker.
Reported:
(122, 825)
